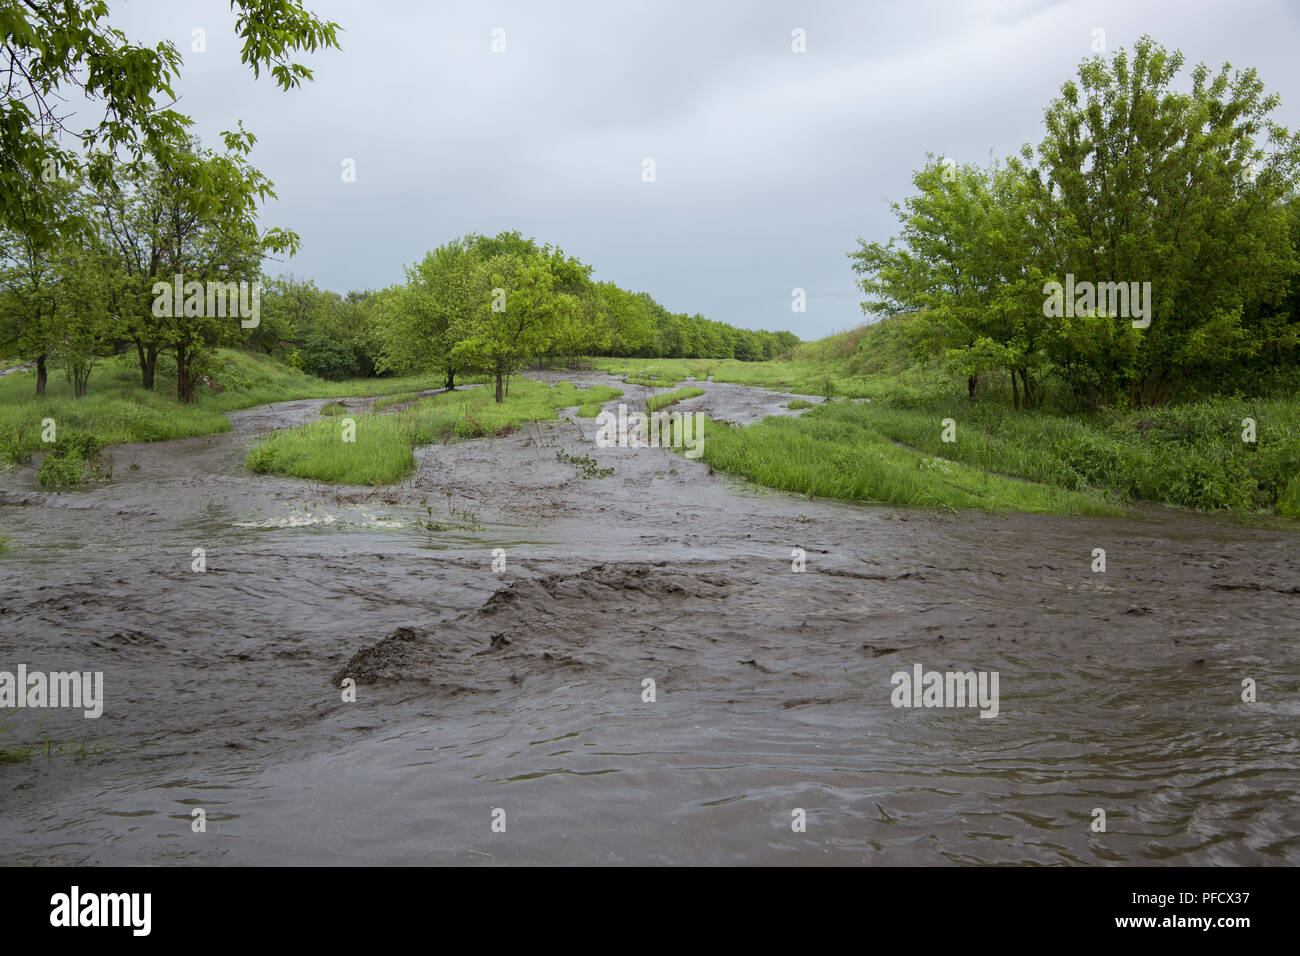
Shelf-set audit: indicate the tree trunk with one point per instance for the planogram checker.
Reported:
(41, 375)
(970, 386)
(148, 364)
(1024, 378)
(500, 387)
(184, 387)
(451, 379)
(1015, 392)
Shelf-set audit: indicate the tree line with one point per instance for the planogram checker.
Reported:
(488, 305)
(1031, 271)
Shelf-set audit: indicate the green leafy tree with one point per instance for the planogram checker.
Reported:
(420, 321)
(517, 319)
(1140, 182)
(53, 50)
(967, 260)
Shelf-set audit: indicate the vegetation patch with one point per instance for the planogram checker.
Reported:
(656, 402)
(381, 449)
(587, 466)
(74, 459)
(833, 451)
(118, 410)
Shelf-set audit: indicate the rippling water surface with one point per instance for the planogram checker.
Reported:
(523, 691)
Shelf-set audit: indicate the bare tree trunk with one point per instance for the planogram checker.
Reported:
(500, 387)
(148, 363)
(184, 383)
(1015, 392)
(41, 375)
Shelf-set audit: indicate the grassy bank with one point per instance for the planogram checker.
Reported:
(381, 452)
(1190, 455)
(118, 410)
(834, 451)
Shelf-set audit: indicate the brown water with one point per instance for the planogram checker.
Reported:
(523, 690)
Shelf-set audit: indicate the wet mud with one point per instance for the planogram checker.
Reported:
(525, 688)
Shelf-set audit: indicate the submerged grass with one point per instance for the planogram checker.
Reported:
(388, 401)
(650, 381)
(656, 402)
(381, 449)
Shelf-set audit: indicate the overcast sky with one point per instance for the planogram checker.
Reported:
(769, 164)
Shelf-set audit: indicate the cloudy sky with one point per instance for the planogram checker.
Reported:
(769, 164)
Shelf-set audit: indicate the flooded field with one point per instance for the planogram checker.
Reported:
(523, 689)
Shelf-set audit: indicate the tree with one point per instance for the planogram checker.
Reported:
(1139, 182)
(519, 312)
(55, 49)
(191, 215)
(967, 260)
(419, 322)
(29, 279)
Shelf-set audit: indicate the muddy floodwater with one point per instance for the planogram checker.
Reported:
(518, 695)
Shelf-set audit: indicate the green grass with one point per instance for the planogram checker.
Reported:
(650, 381)
(1190, 455)
(798, 403)
(873, 361)
(388, 401)
(118, 410)
(590, 410)
(656, 402)
(834, 452)
(382, 450)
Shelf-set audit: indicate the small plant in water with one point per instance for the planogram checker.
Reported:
(456, 519)
(587, 465)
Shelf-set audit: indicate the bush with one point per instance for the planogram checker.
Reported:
(328, 358)
(57, 470)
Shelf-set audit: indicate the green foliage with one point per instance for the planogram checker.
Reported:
(382, 451)
(834, 451)
(119, 410)
(590, 410)
(57, 51)
(1136, 182)
(60, 471)
(326, 357)
(587, 466)
(72, 459)
(656, 402)
(492, 304)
